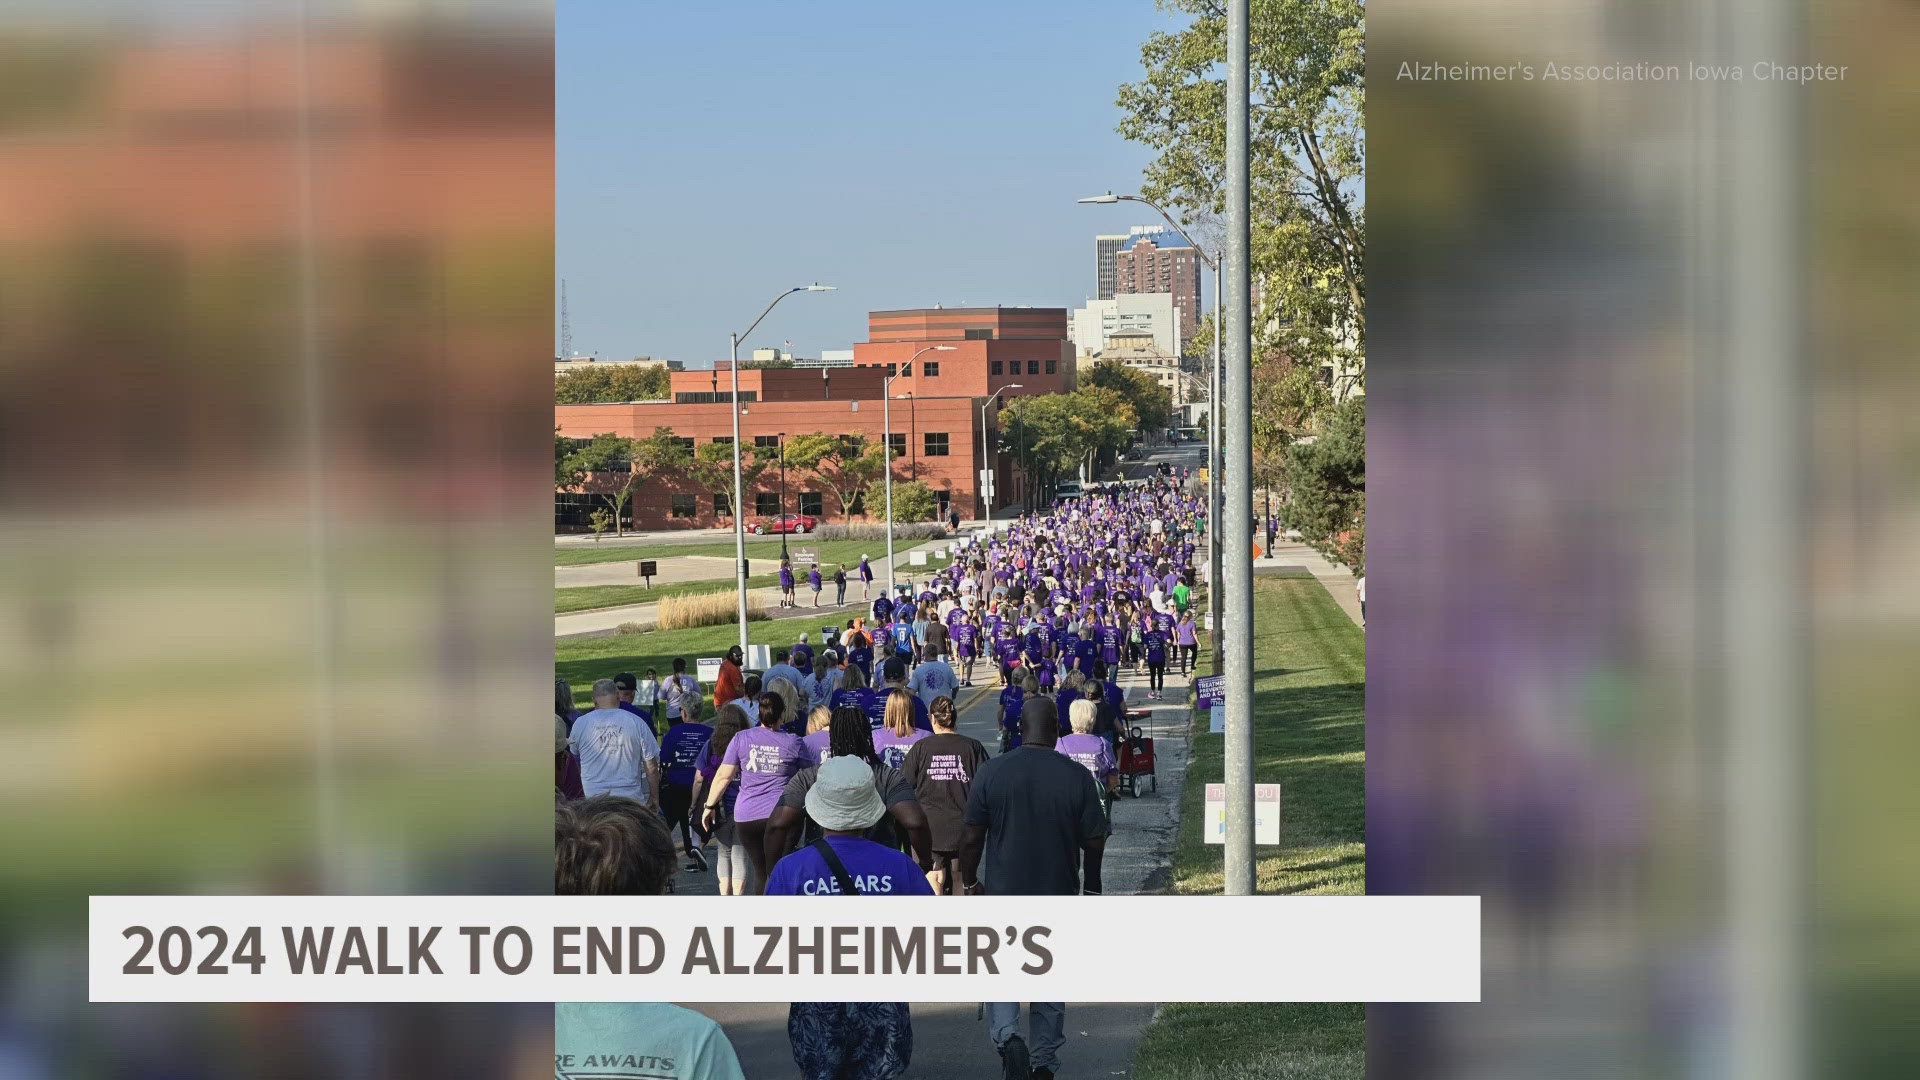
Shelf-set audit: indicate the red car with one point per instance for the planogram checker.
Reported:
(785, 523)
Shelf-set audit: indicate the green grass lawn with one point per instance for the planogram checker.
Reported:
(582, 660)
(1310, 737)
(759, 549)
(588, 597)
(1294, 1040)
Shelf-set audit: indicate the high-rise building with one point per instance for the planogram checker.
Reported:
(1104, 248)
(1095, 325)
(1156, 260)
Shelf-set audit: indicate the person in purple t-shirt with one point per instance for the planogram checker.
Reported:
(966, 645)
(866, 579)
(763, 757)
(1090, 750)
(814, 579)
(786, 584)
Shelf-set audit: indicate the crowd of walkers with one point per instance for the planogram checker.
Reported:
(840, 770)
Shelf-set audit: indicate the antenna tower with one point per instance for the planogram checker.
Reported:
(566, 327)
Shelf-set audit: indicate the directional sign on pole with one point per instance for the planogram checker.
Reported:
(1210, 690)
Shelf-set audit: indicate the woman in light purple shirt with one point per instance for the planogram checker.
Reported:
(763, 758)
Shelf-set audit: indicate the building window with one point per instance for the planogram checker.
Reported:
(858, 507)
(708, 397)
(907, 370)
(683, 506)
(945, 499)
(722, 504)
(812, 504)
(979, 335)
(893, 370)
(1033, 367)
(1052, 366)
(931, 369)
(993, 368)
(766, 502)
(686, 443)
(723, 440)
(767, 442)
(897, 442)
(936, 444)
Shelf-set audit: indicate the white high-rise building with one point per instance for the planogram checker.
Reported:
(1151, 313)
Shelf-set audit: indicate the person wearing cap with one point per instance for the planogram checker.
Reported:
(895, 675)
(866, 578)
(629, 688)
(859, 1040)
(732, 682)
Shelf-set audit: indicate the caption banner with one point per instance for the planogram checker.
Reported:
(915, 949)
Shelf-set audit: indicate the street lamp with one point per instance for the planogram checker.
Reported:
(739, 522)
(780, 441)
(986, 450)
(1213, 418)
(886, 420)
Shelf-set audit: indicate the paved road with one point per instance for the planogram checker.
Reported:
(949, 1043)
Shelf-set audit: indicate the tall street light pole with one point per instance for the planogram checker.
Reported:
(780, 518)
(1237, 465)
(740, 522)
(1213, 419)
(986, 454)
(886, 420)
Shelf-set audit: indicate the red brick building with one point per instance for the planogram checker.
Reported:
(936, 415)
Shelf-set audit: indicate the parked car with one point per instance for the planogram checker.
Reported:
(785, 523)
(1069, 490)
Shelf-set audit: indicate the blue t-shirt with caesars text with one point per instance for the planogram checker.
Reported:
(680, 752)
(876, 871)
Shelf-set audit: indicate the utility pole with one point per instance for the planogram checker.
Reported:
(1236, 543)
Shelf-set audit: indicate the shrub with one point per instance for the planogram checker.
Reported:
(915, 531)
(633, 628)
(704, 609)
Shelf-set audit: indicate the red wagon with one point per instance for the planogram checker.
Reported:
(1136, 758)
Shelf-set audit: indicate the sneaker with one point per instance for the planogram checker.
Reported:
(1014, 1062)
(697, 861)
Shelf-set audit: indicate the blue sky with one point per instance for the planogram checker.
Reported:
(711, 154)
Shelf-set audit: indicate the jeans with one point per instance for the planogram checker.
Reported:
(1046, 1029)
(839, 593)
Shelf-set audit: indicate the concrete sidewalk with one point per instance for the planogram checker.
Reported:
(1339, 581)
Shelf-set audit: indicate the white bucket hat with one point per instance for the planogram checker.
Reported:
(842, 798)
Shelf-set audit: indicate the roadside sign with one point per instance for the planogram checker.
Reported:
(1210, 690)
(916, 558)
(648, 568)
(830, 634)
(805, 556)
(707, 669)
(1266, 814)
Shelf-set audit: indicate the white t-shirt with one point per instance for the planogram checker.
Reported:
(614, 746)
(1360, 586)
(933, 679)
(675, 691)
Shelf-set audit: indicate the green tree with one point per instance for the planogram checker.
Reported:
(712, 467)
(592, 384)
(912, 500)
(1308, 156)
(602, 521)
(1151, 402)
(770, 362)
(599, 467)
(1327, 485)
(844, 464)
(565, 475)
